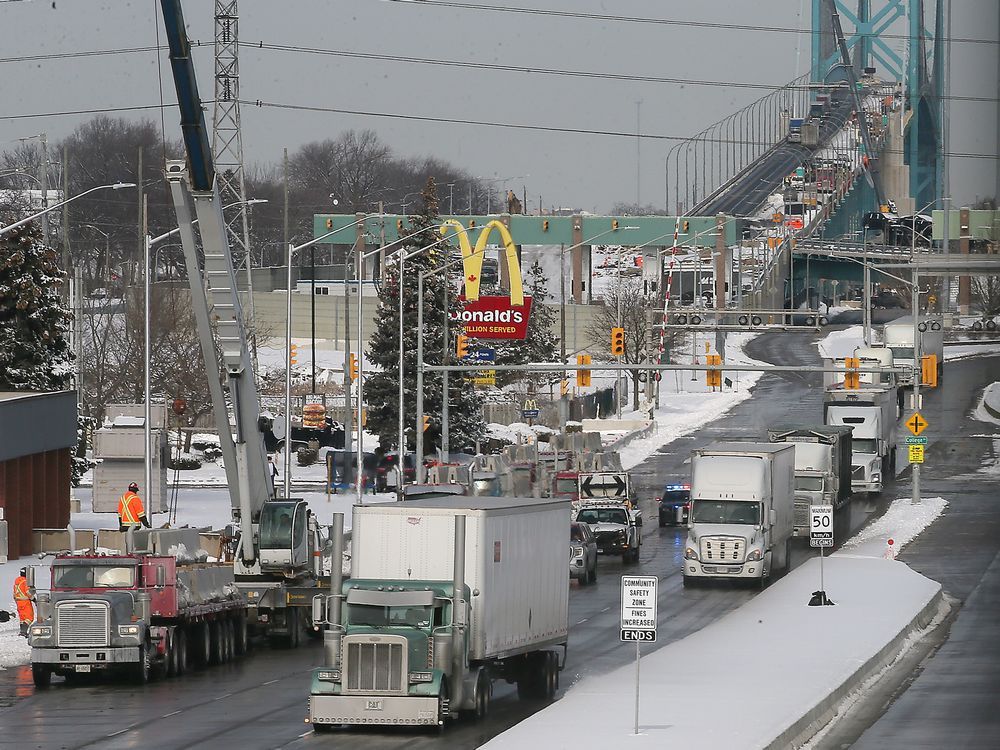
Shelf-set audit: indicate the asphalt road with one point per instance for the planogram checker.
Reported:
(261, 701)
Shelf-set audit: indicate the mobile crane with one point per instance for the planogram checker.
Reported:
(277, 560)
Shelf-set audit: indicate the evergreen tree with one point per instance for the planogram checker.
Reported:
(540, 344)
(382, 386)
(34, 352)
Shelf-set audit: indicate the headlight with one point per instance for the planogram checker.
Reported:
(876, 476)
(755, 554)
(622, 533)
(578, 552)
(690, 554)
(421, 676)
(128, 630)
(41, 631)
(330, 675)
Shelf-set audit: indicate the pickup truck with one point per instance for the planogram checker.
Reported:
(615, 526)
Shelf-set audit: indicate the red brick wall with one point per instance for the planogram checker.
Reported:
(34, 493)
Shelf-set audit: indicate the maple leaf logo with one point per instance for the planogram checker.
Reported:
(472, 277)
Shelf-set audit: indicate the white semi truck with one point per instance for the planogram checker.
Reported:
(898, 338)
(445, 596)
(741, 518)
(872, 412)
(822, 467)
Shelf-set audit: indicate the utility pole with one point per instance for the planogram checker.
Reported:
(65, 218)
(44, 179)
(142, 214)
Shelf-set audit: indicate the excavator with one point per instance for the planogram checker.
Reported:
(279, 542)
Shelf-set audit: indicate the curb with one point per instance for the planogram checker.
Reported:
(992, 409)
(826, 710)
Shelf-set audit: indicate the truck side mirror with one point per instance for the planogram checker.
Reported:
(161, 577)
(772, 516)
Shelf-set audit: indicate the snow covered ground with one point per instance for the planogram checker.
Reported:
(781, 660)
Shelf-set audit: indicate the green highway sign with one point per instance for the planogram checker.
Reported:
(912, 440)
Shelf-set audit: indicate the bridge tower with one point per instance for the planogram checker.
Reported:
(919, 71)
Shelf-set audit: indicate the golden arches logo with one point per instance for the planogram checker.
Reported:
(472, 258)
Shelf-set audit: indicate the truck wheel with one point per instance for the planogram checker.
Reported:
(180, 649)
(592, 573)
(215, 643)
(444, 704)
(202, 641)
(551, 674)
(170, 655)
(41, 676)
(687, 581)
(531, 677)
(140, 671)
(230, 640)
(240, 632)
(483, 688)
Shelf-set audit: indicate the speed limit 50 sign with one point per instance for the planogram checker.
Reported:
(821, 526)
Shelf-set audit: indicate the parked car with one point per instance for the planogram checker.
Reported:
(675, 503)
(582, 553)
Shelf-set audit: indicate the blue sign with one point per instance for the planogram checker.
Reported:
(529, 413)
(481, 356)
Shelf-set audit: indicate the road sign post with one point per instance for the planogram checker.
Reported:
(821, 535)
(638, 621)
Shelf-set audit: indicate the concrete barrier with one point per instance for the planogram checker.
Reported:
(57, 540)
(991, 400)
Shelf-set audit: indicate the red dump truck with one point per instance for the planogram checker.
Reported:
(135, 615)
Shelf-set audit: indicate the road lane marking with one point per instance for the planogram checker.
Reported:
(606, 609)
(172, 713)
(583, 621)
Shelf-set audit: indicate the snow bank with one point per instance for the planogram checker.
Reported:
(840, 344)
(763, 673)
(901, 523)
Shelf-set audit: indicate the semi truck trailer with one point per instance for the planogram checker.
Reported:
(898, 338)
(135, 615)
(872, 412)
(822, 467)
(445, 596)
(740, 523)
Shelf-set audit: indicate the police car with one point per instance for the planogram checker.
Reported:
(675, 504)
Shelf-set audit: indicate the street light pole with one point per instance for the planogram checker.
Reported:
(60, 204)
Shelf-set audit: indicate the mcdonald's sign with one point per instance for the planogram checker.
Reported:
(491, 316)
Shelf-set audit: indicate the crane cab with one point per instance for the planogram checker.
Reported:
(284, 535)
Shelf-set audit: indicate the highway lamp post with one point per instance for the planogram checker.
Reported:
(60, 204)
(292, 249)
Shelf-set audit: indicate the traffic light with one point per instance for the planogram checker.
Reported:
(851, 377)
(713, 378)
(614, 223)
(928, 370)
(426, 422)
(329, 223)
(685, 226)
(563, 387)
(545, 225)
(293, 352)
(583, 376)
(462, 346)
(352, 366)
(399, 226)
(618, 341)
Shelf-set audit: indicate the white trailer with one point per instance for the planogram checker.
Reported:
(898, 337)
(741, 519)
(872, 412)
(445, 595)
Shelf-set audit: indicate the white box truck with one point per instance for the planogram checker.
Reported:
(445, 596)
(898, 337)
(822, 467)
(872, 411)
(740, 522)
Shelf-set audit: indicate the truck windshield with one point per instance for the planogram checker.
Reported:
(381, 617)
(602, 515)
(485, 488)
(93, 576)
(809, 484)
(902, 352)
(725, 511)
(863, 445)
(566, 486)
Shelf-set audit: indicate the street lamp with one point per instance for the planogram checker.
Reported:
(292, 249)
(60, 204)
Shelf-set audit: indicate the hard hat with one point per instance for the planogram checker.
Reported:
(133, 487)
(24, 571)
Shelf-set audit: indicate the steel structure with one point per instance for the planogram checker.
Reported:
(919, 71)
(227, 138)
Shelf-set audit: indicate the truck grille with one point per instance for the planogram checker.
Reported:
(857, 472)
(375, 666)
(82, 624)
(801, 513)
(723, 549)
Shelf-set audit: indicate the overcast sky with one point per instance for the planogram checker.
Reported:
(578, 170)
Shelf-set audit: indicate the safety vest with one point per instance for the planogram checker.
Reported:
(21, 592)
(130, 509)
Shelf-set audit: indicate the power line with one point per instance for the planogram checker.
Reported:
(579, 15)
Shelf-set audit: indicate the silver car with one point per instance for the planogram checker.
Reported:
(582, 554)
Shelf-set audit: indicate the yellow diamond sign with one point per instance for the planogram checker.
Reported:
(916, 423)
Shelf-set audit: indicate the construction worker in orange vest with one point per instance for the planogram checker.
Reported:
(22, 598)
(130, 510)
